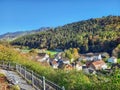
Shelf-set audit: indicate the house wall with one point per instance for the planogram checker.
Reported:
(92, 66)
(112, 60)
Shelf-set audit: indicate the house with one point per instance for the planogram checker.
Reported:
(84, 66)
(42, 50)
(82, 58)
(98, 65)
(42, 57)
(89, 71)
(58, 56)
(64, 61)
(56, 59)
(78, 66)
(104, 55)
(88, 63)
(68, 67)
(54, 64)
(99, 57)
(90, 57)
(112, 60)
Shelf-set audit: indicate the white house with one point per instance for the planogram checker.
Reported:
(54, 64)
(112, 60)
(78, 66)
(46, 57)
(91, 57)
(42, 57)
(66, 61)
(99, 57)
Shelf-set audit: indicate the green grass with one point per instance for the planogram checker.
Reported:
(118, 60)
(51, 52)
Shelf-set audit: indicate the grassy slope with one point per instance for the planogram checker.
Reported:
(71, 80)
(51, 52)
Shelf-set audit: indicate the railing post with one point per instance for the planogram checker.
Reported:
(32, 78)
(0, 63)
(9, 65)
(25, 72)
(20, 69)
(63, 88)
(43, 82)
(16, 68)
(3, 64)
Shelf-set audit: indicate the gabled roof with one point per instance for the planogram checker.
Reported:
(98, 62)
(41, 54)
(78, 63)
(53, 62)
(113, 57)
(68, 67)
(65, 59)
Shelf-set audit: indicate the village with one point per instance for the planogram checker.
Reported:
(89, 63)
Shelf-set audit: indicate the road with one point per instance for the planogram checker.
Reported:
(17, 79)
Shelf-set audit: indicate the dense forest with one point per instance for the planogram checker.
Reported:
(93, 35)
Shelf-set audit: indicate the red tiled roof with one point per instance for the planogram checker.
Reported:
(54, 62)
(99, 62)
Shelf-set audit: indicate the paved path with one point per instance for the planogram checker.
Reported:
(19, 80)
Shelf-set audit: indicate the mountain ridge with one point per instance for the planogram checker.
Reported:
(14, 35)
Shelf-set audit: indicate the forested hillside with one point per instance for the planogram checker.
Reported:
(93, 35)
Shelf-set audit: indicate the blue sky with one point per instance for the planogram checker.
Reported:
(20, 15)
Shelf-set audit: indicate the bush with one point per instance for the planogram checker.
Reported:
(15, 87)
(2, 75)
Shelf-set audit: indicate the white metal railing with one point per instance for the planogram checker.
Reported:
(39, 82)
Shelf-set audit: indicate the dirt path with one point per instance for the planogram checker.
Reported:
(19, 80)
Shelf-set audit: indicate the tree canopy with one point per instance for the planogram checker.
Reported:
(93, 35)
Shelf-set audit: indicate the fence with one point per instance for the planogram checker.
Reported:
(39, 82)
